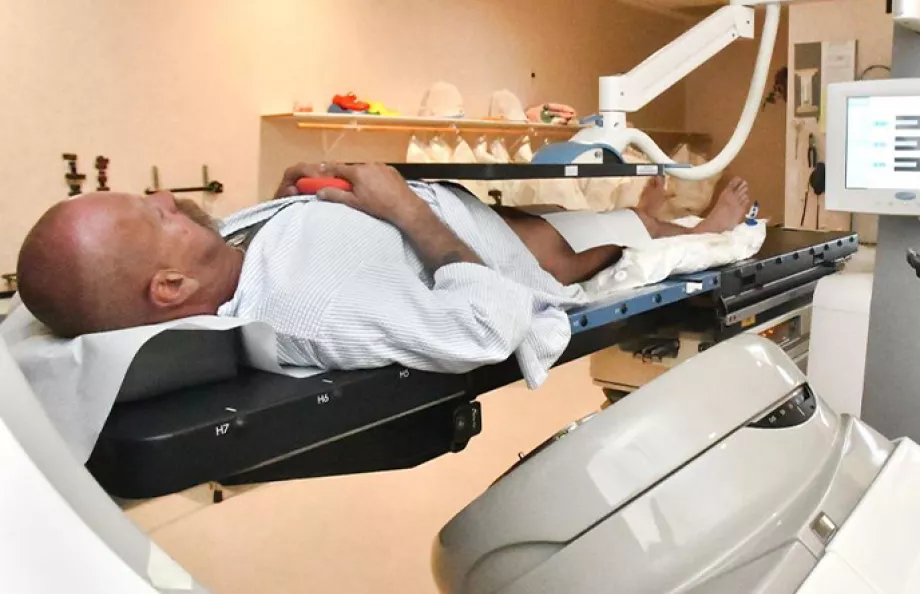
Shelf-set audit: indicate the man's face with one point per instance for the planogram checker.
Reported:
(168, 204)
(187, 235)
(177, 233)
(197, 214)
(157, 233)
(161, 217)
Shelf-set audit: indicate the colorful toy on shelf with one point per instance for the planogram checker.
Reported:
(551, 113)
(377, 108)
(309, 186)
(350, 102)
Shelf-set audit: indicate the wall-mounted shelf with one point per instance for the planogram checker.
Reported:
(408, 124)
(370, 123)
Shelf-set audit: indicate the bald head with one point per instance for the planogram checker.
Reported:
(108, 261)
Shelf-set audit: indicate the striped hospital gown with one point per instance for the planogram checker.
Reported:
(343, 290)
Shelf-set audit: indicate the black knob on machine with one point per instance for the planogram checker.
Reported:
(913, 258)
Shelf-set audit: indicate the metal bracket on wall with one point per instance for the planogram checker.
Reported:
(73, 177)
(208, 185)
(102, 176)
(10, 280)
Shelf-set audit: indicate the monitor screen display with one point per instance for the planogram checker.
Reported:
(883, 143)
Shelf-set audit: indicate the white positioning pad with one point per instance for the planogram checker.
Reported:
(685, 254)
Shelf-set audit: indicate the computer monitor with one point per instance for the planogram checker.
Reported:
(873, 147)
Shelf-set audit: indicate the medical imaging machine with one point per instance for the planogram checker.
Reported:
(727, 474)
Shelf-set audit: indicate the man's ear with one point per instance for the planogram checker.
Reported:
(171, 288)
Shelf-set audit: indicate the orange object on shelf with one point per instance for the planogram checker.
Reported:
(350, 102)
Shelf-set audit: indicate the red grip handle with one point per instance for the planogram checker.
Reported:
(312, 185)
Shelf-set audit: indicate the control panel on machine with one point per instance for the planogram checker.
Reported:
(794, 411)
(873, 147)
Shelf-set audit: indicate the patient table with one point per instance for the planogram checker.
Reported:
(189, 414)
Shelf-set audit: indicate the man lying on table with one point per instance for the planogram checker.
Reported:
(423, 275)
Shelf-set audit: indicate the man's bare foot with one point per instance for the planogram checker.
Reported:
(730, 209)
(653, 197)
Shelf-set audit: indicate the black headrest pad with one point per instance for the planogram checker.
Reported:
(177, 359)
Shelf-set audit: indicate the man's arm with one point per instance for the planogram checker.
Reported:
(384, 314)
(434, 242)
(381, 192)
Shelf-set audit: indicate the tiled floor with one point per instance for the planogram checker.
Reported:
(359, 533)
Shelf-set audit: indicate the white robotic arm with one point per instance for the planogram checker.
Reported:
(630, 92)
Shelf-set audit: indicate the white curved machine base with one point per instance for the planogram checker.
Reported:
(725, 475)
(59, 531)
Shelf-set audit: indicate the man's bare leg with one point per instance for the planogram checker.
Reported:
(729, 210)
(558, 258)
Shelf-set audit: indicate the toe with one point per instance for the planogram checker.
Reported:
(747, 200)
(743, 192)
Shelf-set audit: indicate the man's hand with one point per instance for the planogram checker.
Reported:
(287, 188)
(377, 190)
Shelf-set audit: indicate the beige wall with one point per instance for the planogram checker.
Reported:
(178, 84)
(715, 98)
(843, 20)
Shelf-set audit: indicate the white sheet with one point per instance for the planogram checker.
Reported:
(585, 230)
(669, 256)
(77, 381)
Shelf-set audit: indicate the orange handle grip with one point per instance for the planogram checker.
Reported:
(312, 185)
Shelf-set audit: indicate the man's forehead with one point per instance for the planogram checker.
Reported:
(95, 213)
(110, 198)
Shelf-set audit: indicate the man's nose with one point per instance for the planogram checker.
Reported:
(165, 199)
